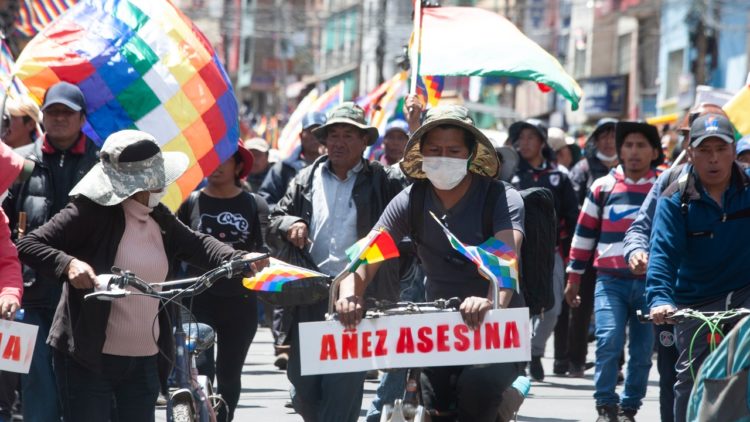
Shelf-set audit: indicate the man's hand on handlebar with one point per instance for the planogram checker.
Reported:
(660, 315)
(350, 311)
(473, 310)
(80, 274)
(257, 265)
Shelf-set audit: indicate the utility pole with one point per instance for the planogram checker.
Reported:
(281, 71)
(380, 49)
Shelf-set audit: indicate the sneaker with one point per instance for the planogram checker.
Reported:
(560, 367)
(577, 371)
(535, 369)
(282, 359)
(161, 400)
(512, 399)
(626, 415)
(607, 413)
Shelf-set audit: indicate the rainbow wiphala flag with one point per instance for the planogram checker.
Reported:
(376, 247)
(493, 258)
(273, 277)
(141, 64)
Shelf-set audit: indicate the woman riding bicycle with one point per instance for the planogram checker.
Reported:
(117, 350)
(228, 213)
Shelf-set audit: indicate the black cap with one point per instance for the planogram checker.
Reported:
(625, 128)
(711, 125)
(66, 94)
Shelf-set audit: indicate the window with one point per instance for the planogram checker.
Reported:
(674, 70)
(623, 53)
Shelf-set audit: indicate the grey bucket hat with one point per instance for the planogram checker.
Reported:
(347, 113)
(130, 161)
(483, 159)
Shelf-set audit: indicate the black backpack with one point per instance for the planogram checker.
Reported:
(537, 250)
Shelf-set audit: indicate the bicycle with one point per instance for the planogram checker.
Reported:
(193, 400)
(409, 408)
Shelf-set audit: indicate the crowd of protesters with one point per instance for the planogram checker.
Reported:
(630, 237)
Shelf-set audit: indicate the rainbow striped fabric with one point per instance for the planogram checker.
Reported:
(493, 258)
(430, 89)
(11, 85)
(141, 64)
(377, 246)
(276, 274)
(34, 15)
(289, 142)
(737, 110)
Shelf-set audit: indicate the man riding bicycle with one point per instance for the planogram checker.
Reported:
(459, 163)
(699, 258)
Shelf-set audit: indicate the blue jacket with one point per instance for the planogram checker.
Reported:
(700, 255)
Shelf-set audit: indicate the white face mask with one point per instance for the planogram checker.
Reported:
(155, 198)
(606, 158)
(445, 173)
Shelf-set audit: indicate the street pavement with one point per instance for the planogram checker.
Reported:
(557, 399)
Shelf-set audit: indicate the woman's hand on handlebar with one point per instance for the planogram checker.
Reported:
(80, 274)
(473, 310)
(350, 311)
(660, 314)
(257, 265)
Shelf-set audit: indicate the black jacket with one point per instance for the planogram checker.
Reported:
(36, 197)
(278, 177)
(557, 181)
(92, 233)
(373, 189)
(584, 173)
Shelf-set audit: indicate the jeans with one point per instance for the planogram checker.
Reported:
(666, 359)
(322, 398)
(616, 301)
(39, 383)
(235, 321)
(684, 333)
(133, 383)
(543, 325)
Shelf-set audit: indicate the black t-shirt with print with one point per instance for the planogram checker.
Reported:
(233, 221)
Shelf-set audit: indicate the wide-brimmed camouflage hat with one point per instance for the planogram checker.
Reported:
(130, 161)
(483, 159)
(348, 113)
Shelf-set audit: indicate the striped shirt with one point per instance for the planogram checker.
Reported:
(602, 225)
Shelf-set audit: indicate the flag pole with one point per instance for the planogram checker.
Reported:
(416, 46)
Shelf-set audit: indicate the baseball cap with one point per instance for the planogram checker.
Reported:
(313, 118)
(398, 124)
(66, 94)
(711, 125)
(743, 145)
(258, 144)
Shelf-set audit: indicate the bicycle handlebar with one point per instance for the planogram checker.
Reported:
(115, 288)
(682, 315)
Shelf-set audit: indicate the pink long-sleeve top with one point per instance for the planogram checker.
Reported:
(11, 282)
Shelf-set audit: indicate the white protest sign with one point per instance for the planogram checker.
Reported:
(16, 346)
(419, 340)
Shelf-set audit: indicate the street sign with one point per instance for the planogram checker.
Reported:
(421, 340)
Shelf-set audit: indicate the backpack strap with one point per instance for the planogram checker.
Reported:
(417, 197)
(194, 209)
(494, 191)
